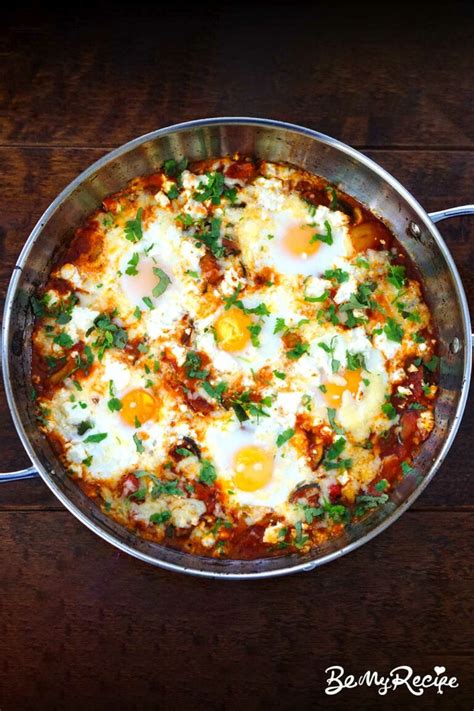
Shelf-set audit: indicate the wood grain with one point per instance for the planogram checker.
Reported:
(130, 70)
(86, 627)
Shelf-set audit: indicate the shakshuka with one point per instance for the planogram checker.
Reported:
(234, 358)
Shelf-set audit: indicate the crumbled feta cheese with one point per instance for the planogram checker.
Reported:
(162, 199)
(187, 512)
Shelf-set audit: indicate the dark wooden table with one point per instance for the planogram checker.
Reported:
(83, 626)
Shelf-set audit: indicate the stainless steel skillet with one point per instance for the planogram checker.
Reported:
(274, 141)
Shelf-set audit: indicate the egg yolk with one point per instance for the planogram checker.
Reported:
(253, 467)
(232, 330)
(138, 405)
(334, 391)
(298, 242)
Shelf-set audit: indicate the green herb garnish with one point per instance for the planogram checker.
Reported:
(193, 366)
(160, 517)
(327, 237)
(163, 284)
(208, 474)
(96, 437)
(283, 437)
(133, 228)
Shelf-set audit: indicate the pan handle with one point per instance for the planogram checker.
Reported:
(27, 473)
(451, 212)
(440, 215)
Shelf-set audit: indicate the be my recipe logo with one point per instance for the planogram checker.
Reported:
(402, 676)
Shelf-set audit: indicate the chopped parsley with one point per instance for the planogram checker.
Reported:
(207, 474)
(173, 192)
(63, 340)
(254, 330)
(283, 437)
(389, 410)
(110, 335)
(311, 512)
(355, 361)
(426, 389)
(316, 299)
(327, 237)
(396, 276)
(334, 451)
(362, 298)
(393, 330)
(367, 502)
(233, 300)
(173, 168)
(138, 443)
(148, 302)
(279, 374)
(337, 512)
(214, 190)
(185, 219)
(164, 282)
(280, 325)
(183, 452)
(133, 228)
(338, 274)
(132, 270)
(114, 404)
(330, 350)
(61, 311)
(193, 366)
(96, 437)
(299, 540)
(160, 517)
(297, 351)
(209, 234)
(216, 391)
(245, 408)
(406, 468)
(332, 421)
(83, 426)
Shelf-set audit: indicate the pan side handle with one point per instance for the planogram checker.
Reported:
(27, 473)
(451, 212)
(440, 215)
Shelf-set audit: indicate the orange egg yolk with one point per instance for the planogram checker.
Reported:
(232, 330)
(253, 468)
(334, 391)
(297, 240)
(138, 405)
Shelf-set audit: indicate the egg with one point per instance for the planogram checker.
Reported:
(285, 234)
(239, 340)
(347, 374)
(253, 470)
